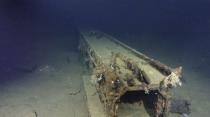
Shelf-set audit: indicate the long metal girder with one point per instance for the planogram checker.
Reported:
(119, 70)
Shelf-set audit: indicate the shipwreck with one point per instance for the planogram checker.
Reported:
(121, 74)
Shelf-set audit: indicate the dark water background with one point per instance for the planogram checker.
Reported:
(172, 31)
(169, 28)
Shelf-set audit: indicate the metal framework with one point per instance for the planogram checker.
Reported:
(118, 70)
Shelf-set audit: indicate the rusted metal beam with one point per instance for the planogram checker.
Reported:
(117, 69)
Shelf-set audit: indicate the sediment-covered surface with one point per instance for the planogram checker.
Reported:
(50, 85)
(45, 81)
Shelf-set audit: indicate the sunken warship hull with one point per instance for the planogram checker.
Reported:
(121, 74)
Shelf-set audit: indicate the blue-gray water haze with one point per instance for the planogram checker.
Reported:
(172, 31)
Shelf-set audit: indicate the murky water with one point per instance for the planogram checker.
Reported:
(39, 67)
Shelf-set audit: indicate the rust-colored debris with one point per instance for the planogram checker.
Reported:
(118, 69)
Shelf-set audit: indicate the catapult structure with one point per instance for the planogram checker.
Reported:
(121, 74)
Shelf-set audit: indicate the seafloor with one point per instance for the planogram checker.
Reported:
(44, 78)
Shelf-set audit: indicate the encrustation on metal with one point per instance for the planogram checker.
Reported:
(118, 69)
